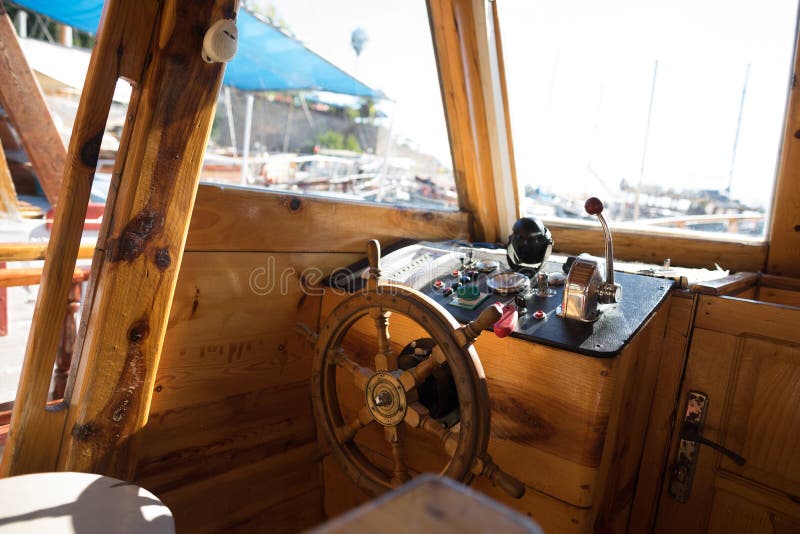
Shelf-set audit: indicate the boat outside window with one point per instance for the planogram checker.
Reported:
(355, 112)
(671, 113)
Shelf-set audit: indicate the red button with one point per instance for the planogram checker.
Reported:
(438, 284)
(539, 314)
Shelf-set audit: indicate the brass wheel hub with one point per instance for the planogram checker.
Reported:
(386, 399)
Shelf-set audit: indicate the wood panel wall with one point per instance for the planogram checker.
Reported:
(230, 442)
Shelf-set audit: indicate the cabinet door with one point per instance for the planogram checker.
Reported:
(747, 376)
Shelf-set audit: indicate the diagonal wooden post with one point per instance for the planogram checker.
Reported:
(157, 46)
(123, 40)
(8, 194)
(23, 100)
(135, 279)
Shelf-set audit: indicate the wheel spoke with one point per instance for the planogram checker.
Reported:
(417, 375)
(361, 375)
(395, 435)
(385, 359)
(417, 416)
(346, 433)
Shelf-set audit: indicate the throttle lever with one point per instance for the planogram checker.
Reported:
(507, 322)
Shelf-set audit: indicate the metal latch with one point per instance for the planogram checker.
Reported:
(691, 437)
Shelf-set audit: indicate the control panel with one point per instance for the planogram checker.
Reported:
(467, 279)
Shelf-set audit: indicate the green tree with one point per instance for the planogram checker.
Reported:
(351, 143)
(331, 139)
(337, 141)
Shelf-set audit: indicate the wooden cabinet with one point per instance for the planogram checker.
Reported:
(745, 356)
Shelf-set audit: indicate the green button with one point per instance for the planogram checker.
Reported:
(469, 292)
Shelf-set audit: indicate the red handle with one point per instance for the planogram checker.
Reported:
(593, 206)
(507, 322)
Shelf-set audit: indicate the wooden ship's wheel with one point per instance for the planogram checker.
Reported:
(391, 396)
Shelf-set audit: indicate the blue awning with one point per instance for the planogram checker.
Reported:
(266, 60)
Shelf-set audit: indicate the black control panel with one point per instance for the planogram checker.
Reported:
(437, 269)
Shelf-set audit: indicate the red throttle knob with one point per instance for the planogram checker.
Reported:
(508, 322)
(593, 206)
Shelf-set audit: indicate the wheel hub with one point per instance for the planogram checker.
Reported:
(386, 399)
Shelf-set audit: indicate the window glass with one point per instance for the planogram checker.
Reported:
(390, 146)
(369, 125)
(671, 113)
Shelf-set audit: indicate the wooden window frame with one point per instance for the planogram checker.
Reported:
(473, 110)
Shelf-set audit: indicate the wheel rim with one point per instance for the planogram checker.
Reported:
(464, 364)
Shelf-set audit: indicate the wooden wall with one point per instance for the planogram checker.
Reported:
(230, 441)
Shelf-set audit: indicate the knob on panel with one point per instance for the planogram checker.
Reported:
(593, 206)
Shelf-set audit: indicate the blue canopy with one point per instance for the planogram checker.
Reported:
(266, 60)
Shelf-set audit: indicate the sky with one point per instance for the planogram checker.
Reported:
(580, 77)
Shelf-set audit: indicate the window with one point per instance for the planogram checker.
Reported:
(671, 113)
(384, 142)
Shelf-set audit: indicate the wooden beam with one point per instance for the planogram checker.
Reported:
(132, 294)
(32, 276)
(498, 140)
(501, 67)
(453, 25)
(652, 247)
(280, 222)
(23, 100)
(8, 135)
(36, 251)
(8, 195)
(123, 40)
(784, 232)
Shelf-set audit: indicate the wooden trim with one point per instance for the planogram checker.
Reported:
(501, 67)
(498, 129)
(8, 195)
(32, 276)
(121, 49)
(453, 24)
(683, 251)
(36, 251)
(24, 102)
(739, 317)
(660, 426)
(780, 282)
(784, 231)
(725, 286)
(281, 222)
(132, 294)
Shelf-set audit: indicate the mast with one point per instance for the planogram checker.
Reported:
(646, 138)
(738, 130)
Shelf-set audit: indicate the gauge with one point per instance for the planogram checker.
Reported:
(509, 282)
